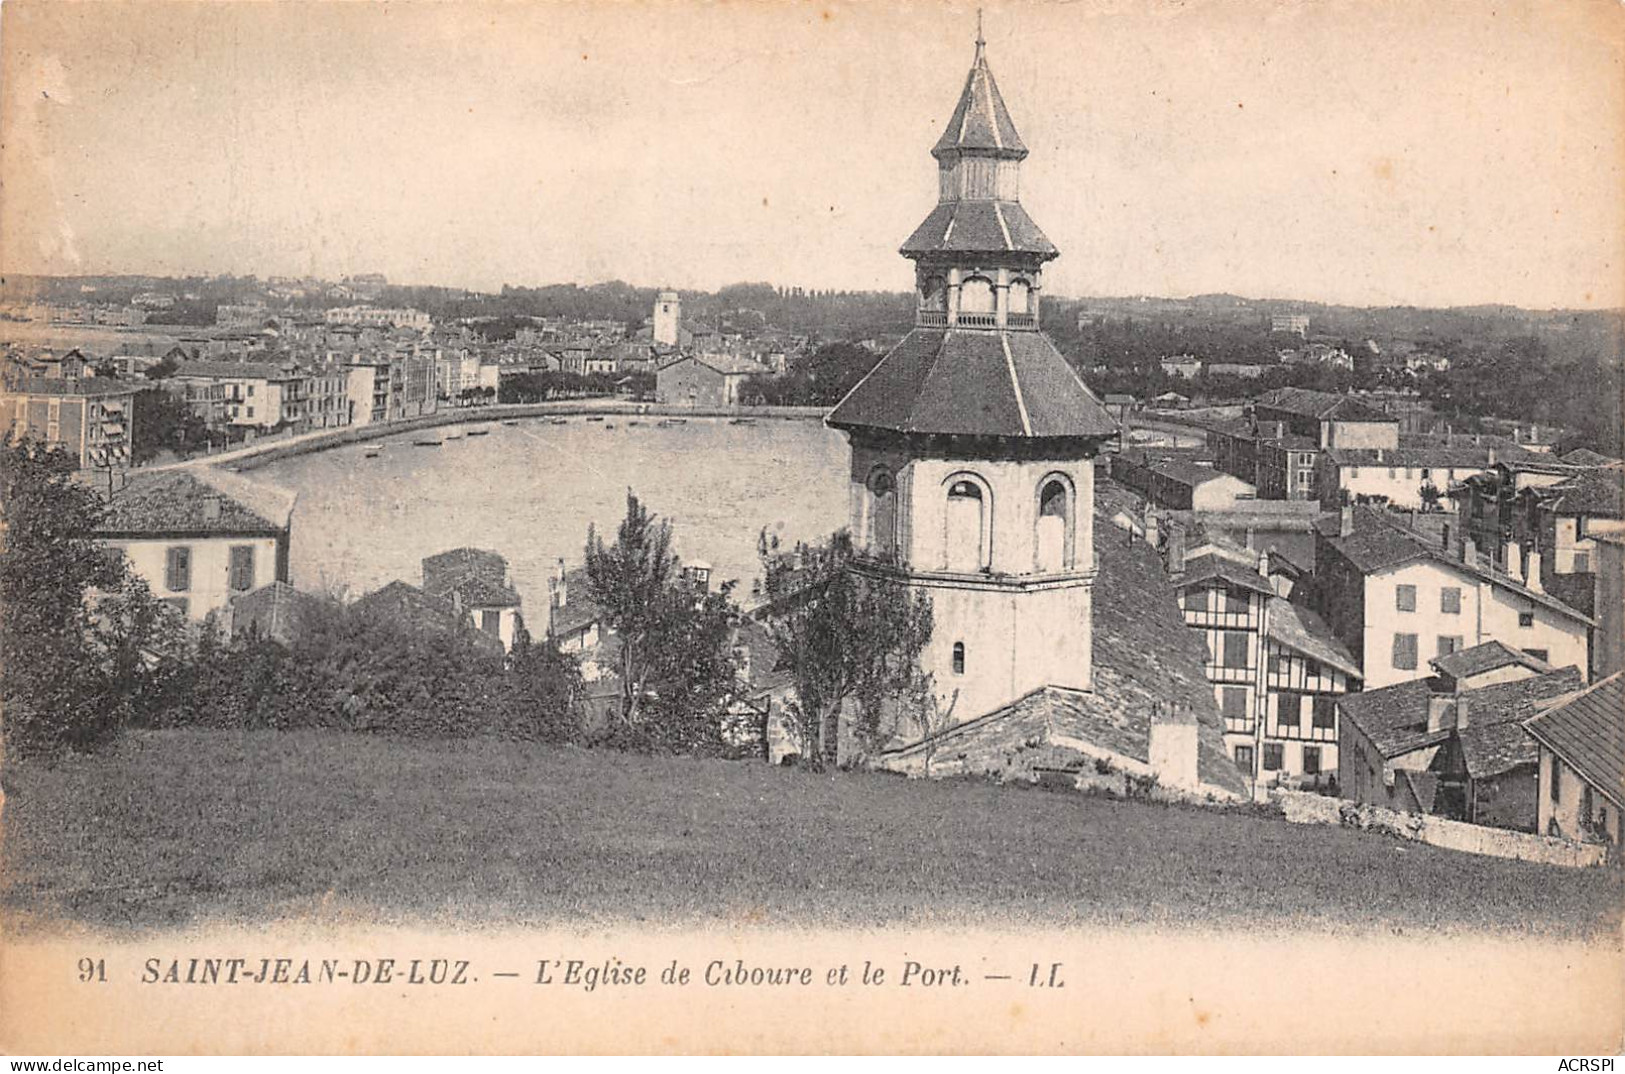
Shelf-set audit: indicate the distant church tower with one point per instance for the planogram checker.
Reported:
(668, 314)
(973, 439)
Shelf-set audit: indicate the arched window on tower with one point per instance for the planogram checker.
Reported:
(1054, 537)
(882, 514)
(1021, 294)
(934, 294)
(976, 295)
(966, 545)
(959, 658)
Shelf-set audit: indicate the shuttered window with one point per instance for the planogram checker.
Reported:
(242, 568)
(178, 569)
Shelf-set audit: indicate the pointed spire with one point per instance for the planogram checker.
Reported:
(980, 121)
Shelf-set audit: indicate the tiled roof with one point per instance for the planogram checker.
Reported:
(1379, 543)
(273, 611)
(1494, 740)
(1186, 471)
(445, 570)
(1012, 384)
(1587, 457)
(1459, 456)
(1210, 567)
(1488, 656)
(765, 673)
(403, 599)
(238, 370)
(1588, 732)
(579, 609)
(978, 227)
(1302, 630)
(93, 387)
(1599, 492)
(1321, 405)
(1394, 718)
(980, 120)
(478, 591)
(198, 501)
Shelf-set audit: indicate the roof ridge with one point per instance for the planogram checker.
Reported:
(1015, 384)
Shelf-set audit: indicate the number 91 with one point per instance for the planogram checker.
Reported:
(92, 969)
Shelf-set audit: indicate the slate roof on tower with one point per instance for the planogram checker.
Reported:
(964, 227)
(970, 383)
(980, 120)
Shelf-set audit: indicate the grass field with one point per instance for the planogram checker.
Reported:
(170, 828)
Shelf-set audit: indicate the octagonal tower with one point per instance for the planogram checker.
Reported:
(973, 440)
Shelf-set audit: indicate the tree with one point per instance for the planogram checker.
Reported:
(673, 656)
(56, 690)
(163, 420)
(846, 635)
(544, 685)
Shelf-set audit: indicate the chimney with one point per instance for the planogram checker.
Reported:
(1172, 747)
(1462, 712)
(1444, 538)
(1176, 547)
(1264, 564)
(1438, 709)
(1345, 527)
(211, 508)
(1249, 538)
(1514, 561)
(1534, 581)
(1469, 551)
(561, 591)
(1153, 535)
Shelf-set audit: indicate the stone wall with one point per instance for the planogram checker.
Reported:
(1303, 808)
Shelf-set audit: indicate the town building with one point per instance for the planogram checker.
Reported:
(1581, 742)
(1184, 366)
(275, 611)
(1410, 476)
(705, 380)
(90, 418)
(1397, 598)
(1295, 323)
(1276, 667)
(1178, 482)
(1445, 747)
(474, 581)
(201, 536)
(377, 317)
(668, 316)
(258, 395)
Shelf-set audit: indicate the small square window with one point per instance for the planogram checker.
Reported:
(1405, 598)
(1450, 600)
(1244, 759)
(1288, 712)
(1233, 702)
(1582, 563)
(1449, 643)
(1405, 652)
(1311, 760)
(1273, 757)
(1325, 713)
(1526, 619)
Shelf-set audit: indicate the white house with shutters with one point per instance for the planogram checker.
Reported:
(200, 537)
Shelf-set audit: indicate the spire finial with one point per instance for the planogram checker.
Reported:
(979, 42)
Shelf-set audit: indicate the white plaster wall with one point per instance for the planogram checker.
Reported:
(211, 561)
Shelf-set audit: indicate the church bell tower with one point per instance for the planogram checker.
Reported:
(972, 474)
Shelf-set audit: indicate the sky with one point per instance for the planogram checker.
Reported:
(1366, 153)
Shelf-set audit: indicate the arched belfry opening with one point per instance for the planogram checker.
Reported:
(966, 544)
(973, 439)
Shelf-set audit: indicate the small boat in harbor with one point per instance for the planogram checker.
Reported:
(743, 421)
(510, 421)
(479, 432)
(372, 452)
(636, 423)
(559, 421)
(595, 417)
(426, 443)
(609, 425)
(666, 423)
